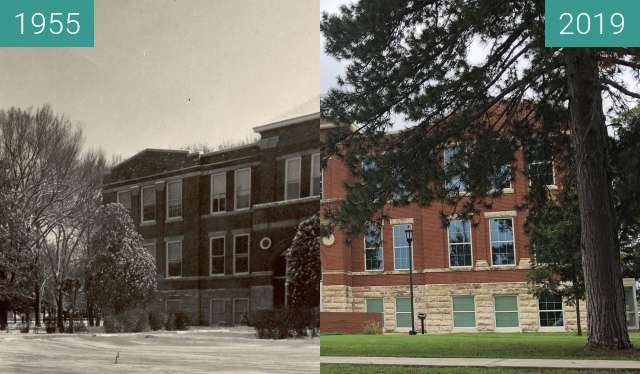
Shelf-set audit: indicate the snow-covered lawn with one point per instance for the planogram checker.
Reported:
(234, 350)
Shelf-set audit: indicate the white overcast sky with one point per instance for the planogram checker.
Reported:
(168, 73)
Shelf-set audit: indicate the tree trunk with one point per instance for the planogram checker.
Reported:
(578, 317)
(600, 256)
(4, 311)
(90, 313)
(59, 303)
(37, 305)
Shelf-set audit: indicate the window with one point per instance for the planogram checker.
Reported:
(506, 311)
(541, 173)
(550, 308)
(151, 248)
(401, 249)
(502, 179)
(292, 179)
(464, 311)
(459, 233)
(502, 248)
(240, 311)
(218, 311)
(243, 188)
(241, 254)
(630, 306)
(454, 182)
(148, 204)
(218, 192)
(375, 305)
(124, 198)
(403, 312)
(174, 199)
(316, 175)
(217, 256)
(373, 248)
(172, 306)
(174, 259)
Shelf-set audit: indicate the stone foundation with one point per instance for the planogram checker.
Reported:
(435, 300)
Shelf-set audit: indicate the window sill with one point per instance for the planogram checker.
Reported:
(148, 223)
(375, 271)
(173, 277)
(465, 329)
(508, 329)
(504, 267)
(219, 275)
(552, 329)
(461, 268)
(173, 219)
(245, 273)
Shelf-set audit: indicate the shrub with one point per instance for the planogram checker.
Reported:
(24, 328)
(282, 324)
(78, 326)
(134, 320)
(372, 327)
(50, 327)
(181, 321)
(157, 319)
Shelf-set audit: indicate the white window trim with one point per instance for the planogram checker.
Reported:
(167, 259)
(224, 256)
(311, 191)
(235, 189)
(393, 240)
(495, 323)
(224, 176)
(551, 328)
(211, 308)
(375, 298)
(248, 254)
(176, 218)
(471, 243)
(155, 204)
(462, 192)
(475, 313)
(553, 186)
(513, 233)
(395, 313)
(364, 242)
(286, 177)
(233, 307)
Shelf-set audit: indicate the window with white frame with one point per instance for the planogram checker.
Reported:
(217, 255)
(550, 309)
(374, 305)
(174, 258)
(148, 204)
(174, 199)
(541, 173)
(506, 310)
(218, 192)
(292, 178)
(151, 249)
(373, 247)
(502, 179)
(464, 311)
(401, 248)
(459, 234)
(124, 198)
(240, 311)
(316, 175)
(630, 306)
(502, 245)
(452, 169)
(242, 188)
(241, 254)
(403, 312)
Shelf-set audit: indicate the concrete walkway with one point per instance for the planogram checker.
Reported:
(484, 362)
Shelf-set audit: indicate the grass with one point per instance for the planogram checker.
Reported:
(367, 369)
(486, 345)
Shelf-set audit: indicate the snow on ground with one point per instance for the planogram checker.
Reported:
(233, 350)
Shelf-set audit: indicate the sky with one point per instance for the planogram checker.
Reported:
(169, 73)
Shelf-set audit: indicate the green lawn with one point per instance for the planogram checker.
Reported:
(367, 369)
(489, 345)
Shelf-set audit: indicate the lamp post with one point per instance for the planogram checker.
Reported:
(409, 236)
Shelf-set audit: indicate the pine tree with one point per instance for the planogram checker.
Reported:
(303, 265)
(410, 60)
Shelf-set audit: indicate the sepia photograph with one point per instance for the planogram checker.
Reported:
(160, 192)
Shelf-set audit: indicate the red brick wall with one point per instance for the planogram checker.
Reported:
(348, 322)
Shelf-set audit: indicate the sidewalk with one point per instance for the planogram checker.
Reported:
(484, 362)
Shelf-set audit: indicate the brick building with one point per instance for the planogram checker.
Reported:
(469, 276)
(219, 223)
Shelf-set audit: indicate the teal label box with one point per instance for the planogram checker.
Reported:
(592, 23)
(46, 23)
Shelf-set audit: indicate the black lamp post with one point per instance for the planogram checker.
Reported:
(409, 234)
